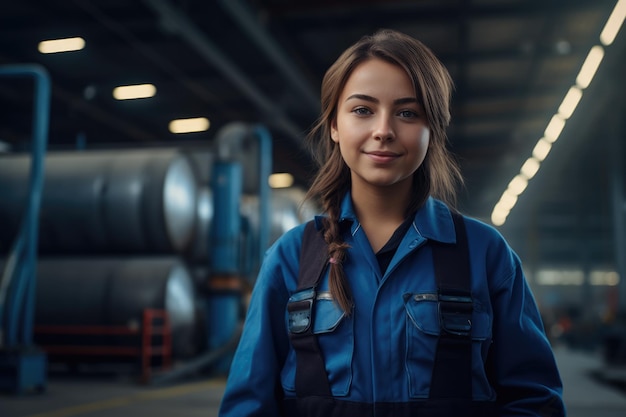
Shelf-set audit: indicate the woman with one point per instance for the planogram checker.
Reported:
(421, 311)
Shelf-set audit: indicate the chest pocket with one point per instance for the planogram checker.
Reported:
(335, 336)
(422, 334)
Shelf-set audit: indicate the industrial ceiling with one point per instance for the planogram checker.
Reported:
(262, 61)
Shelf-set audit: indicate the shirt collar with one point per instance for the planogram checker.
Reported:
(433, 220)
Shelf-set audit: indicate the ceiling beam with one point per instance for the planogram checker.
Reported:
(307, 15)
(189, 31)
(261, 37)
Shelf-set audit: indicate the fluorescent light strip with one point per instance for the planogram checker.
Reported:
(61, 45)
(590, 66)
(196, 124)
(587, 71)
(570, 102)
(131, 92)
(518, 184)
(542, 149)
(280, 180)
(614, 23)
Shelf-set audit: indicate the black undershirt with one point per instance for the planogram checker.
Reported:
(385, 254)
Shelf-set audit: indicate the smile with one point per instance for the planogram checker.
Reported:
(382, 157)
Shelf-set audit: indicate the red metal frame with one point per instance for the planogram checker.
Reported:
(155, 323)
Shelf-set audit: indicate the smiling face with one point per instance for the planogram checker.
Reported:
(380, 127)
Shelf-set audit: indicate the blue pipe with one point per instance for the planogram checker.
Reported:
(265, 165)
(227, 184)
(17, 283)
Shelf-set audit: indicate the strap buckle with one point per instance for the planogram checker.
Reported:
(300, 311)
(455, 313)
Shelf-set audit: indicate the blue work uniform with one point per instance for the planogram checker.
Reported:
(384, 351)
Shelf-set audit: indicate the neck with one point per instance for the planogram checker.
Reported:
(381, 204)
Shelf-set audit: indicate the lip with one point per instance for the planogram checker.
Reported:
(382, 157)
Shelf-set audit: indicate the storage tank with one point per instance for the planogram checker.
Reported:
(97, 291)
(112, 201)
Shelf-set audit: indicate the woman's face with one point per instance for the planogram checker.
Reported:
(380, 126)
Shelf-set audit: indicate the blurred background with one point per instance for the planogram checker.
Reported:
(151, 150)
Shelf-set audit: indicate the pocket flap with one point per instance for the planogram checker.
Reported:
(327, 314)
(423, 311)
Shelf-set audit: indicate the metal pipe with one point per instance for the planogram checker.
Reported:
(17, 299)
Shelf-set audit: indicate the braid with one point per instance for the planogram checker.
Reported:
(338, 284)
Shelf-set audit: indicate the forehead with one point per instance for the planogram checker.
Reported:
(379, 76)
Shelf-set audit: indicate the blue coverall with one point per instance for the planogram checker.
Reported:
(384, 351)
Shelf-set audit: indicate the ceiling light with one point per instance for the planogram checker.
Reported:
(570, 102)
(542, 149)
(61, 45)
(280, 180)
(530, 168)
(518, 184)
(197, 124)
(590, 66)
(508, 200)
(498, 218)
(130, 92)
(614, 23)
(554, 129)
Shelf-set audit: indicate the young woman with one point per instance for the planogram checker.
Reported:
(421, 311)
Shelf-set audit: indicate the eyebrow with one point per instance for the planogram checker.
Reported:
(365, 97)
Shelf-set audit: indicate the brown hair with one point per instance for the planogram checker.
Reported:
(437, 176)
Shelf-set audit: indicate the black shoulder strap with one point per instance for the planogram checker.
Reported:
(313, 257)
(452, 371)
(311, 377)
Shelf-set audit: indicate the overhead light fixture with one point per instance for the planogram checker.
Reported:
(566, 109)
(498, 218)
(280, 180)
(554, 129)
(508, 199)
(518, 184)
(54, 46)
(570, 102)
(614, 23)
(590, 66)
(530, 168)
(131, 92)
(196, 124)
(542, 149)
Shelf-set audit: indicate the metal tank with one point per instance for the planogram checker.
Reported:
(287, 210)
(199, 249)
(77, 291)
(112, 201)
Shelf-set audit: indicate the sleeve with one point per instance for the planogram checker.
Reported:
(253, 386)
(521, 361)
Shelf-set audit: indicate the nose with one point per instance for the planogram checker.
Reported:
(383, 129)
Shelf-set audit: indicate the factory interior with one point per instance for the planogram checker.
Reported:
(152, 150)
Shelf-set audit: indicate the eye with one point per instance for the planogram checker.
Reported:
(408, 114)
(361, 111)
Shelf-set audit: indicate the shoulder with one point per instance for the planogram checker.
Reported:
(282, 260)
(482, 233)
(490, 248)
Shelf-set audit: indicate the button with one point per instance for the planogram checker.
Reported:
(413, 244)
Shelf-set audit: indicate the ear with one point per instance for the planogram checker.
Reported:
(334, 133)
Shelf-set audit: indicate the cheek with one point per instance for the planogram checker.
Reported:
(423, 141)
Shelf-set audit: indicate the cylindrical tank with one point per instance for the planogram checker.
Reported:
(199, 249)
(77, 291)
(287, 210)
(130, 201)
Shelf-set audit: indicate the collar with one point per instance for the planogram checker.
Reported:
(432, 221)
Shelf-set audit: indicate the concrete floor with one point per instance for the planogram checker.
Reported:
(98, 396)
